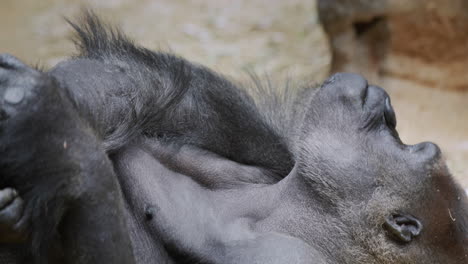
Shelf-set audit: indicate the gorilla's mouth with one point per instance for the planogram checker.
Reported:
(428, 150)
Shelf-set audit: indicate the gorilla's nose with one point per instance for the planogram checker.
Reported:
(350, 85)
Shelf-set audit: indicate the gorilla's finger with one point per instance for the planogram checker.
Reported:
(6, 197)
(11, 214)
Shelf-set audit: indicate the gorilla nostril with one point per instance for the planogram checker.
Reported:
(389, 114)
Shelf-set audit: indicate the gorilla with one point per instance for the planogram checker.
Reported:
(124, 155)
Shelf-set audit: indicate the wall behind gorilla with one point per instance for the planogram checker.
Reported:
(280, 37)
(228, 35)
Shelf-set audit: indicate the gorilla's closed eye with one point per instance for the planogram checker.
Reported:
(402, 227)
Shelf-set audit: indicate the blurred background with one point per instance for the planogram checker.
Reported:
(416, 49)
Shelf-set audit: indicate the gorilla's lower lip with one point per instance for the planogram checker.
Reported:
(426, 150)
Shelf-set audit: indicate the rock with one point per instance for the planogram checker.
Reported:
(420, 40)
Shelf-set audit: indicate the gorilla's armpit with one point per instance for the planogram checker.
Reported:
(124, 155)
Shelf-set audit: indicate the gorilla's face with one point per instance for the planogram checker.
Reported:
(399, 201)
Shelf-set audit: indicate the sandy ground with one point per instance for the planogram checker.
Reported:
(281, 38)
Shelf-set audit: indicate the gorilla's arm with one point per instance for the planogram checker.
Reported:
(57, 164)
(126, 91)
(207, 168)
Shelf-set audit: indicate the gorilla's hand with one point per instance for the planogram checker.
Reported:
(11, 210)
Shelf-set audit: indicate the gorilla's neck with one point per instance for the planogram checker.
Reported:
(297, 210)
(300, 188)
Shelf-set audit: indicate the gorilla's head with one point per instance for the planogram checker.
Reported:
(396, 203)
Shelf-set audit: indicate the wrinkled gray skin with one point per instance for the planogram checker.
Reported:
(122, 155)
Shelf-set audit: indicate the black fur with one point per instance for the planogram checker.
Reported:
(231, 174)
(173, 98)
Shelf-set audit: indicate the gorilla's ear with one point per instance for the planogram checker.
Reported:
(402, 227)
